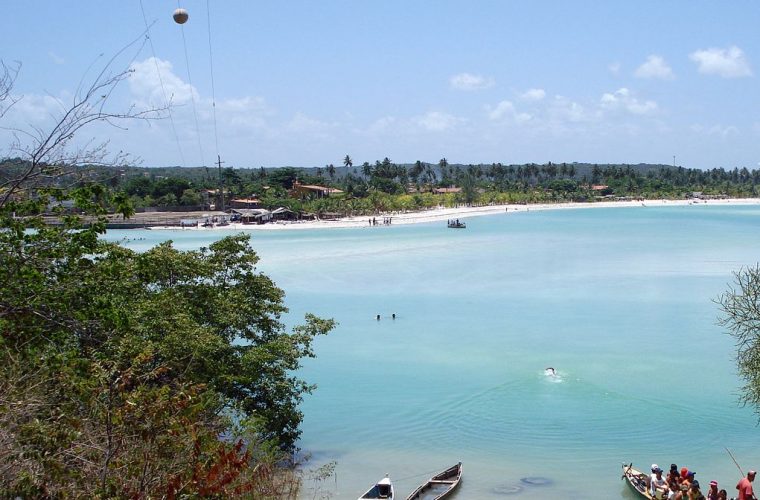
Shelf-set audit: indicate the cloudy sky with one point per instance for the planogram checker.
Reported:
(306, 82)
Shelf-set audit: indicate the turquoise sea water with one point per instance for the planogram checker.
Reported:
(618, 300)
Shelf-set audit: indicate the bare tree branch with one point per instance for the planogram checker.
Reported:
(47, 154)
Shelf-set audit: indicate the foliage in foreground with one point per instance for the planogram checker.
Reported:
(165, 373)
(740, 305)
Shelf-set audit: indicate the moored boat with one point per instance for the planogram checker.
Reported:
(456, 224)
(638, 480)
(383, 489)
(440, 485)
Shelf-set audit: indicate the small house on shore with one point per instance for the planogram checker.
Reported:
(245, 203)
(448, 190)
(283, 213)
(304, 191)
(253, 215)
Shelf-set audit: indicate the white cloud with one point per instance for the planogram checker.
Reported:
(467, 81)
(622, 99)
(655, 67)
(34, 109)
(311, 126)
(506, 110)
(435, 121)
(728, 63)
(533, 95)
(381, 125)
(145, 83)
(565, 110)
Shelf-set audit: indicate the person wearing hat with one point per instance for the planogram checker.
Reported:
(689, 478)
(745, 487)
(694, 493)
(658, 486)
(712, 493)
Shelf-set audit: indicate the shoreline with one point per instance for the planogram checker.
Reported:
(444, 214)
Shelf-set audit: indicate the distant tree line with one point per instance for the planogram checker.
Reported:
(386, 185)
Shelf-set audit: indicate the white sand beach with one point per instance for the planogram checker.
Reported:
(462, 213)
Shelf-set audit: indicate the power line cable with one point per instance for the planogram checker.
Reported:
(192, 93)
(161, 81)
(213, 91)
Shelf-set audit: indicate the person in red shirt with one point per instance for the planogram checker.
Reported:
(745, 487)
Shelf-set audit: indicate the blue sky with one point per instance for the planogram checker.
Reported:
(304, 82)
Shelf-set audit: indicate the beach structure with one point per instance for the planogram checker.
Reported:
(448, 190)
(245, 203)
(440, 485)
(304, 191)
(383, 489)
(283, 213)
(253, 215)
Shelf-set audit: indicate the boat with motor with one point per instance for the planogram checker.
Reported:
(456, 224)
(382, 489)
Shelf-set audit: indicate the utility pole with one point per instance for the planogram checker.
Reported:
(674, 161)
(221, 181)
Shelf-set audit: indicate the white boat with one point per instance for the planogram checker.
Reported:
(383, 489)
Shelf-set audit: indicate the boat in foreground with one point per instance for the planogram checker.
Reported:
(383, 489)
(637, 480)
(440, 485)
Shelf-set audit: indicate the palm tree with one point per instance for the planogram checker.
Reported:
(348, 162)
(367, 169)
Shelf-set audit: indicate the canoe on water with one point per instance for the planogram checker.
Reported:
(440, 485)
(638, 480)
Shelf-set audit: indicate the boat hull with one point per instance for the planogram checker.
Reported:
(637, 480)
(439, 486)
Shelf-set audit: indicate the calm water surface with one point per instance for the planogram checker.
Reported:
(618, 300)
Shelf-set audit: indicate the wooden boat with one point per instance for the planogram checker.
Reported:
(440, 485)
(383, 489)
(638, 480)
(456, 224)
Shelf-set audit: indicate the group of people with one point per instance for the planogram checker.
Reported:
(682, 485)
(387, 221)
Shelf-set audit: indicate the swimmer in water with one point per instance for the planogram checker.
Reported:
(551, 371)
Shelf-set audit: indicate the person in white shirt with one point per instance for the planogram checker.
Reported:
(658, 486)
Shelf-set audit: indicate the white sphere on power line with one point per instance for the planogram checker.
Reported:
(180, 16)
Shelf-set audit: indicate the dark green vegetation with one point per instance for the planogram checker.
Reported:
(387, 186)
(162, 373)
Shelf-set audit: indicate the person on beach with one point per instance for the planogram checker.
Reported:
(694, 491)
(745, 487)
(712, 493)
(689, 478)
(658, 486)
(723, 495)
(673, 473)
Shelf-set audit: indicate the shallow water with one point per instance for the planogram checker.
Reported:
(619, 301)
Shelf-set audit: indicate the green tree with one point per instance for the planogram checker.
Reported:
(138, 375)
(348, 162)
(740, 306)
